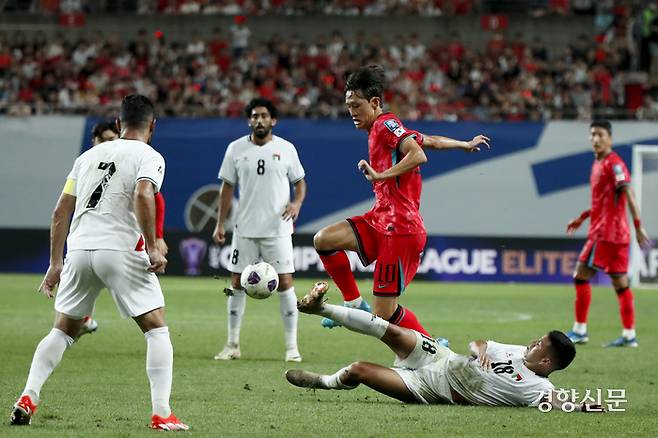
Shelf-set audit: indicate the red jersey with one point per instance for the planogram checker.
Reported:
(397, 200)
(608, 220)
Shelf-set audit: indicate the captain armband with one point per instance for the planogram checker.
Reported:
(69, 187)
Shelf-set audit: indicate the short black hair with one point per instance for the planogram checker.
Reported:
(601, 123)
(106, 125)
(260, 101)
(563, 348)
(137, 111)
(367, 81)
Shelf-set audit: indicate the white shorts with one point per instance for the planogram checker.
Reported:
(134, 289)
(424, 371)
(277, 251)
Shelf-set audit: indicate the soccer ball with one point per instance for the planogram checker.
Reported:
(259, 280)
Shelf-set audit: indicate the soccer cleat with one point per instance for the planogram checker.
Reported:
(230, 352)
(577, 338)
(88, 326)
(443, 341)
(329, 323)
(169, 423)
(22, 413)
(292, 355)
(622, 342)
(312, 301)
(305, 379)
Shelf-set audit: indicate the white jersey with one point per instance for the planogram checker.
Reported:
(263, 175)
(105, 179)
(508, 383)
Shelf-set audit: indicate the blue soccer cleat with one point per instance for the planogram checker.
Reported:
(577, 338)
(443, 341)
(622, 342)
(330, 323)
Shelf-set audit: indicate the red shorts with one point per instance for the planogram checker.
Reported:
(397, 257)
(605, 256)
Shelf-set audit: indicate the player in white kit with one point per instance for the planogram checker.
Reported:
(426, 372)
(263, 166)
(111, 243)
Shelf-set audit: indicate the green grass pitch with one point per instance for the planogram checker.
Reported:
(101, 389)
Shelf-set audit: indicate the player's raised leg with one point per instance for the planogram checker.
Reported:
(581, 278)
(235, 306)
(399, 339)
(331, 242)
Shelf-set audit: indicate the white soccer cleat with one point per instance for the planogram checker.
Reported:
(292, 355)
(230, 352)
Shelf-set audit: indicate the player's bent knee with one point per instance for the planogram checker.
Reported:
(320, 241)
(356, 371)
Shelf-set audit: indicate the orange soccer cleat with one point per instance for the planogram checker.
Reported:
(169, 423)
(23, 410)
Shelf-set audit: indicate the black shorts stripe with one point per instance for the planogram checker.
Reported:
(359, 243)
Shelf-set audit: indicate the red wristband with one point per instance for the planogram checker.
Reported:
(637, 223)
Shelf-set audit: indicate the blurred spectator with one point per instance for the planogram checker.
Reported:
(240, 35)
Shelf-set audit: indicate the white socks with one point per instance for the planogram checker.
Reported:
(355, 303)
(333, 381)
(289, 315)
(159, 368)
(628, 334)
(580, 328)
(46, 357)
(287, 307)
(235, 306)
(356, 320)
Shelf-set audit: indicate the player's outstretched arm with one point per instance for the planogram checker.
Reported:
(640, 233)
(223, 208)
(440, 143)
(59, 229)
(575, 223)
(413, 157)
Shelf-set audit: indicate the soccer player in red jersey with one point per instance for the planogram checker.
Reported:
(392, 234)
(608, 239)
(108, 131)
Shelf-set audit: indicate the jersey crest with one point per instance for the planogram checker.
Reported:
(619, 173)
(394, 127)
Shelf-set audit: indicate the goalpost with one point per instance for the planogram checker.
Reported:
(644, 264)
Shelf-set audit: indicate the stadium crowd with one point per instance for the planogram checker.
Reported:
(437, 79)
(535, 8)
(304, 7)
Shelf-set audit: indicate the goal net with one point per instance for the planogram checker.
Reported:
(644, 268)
